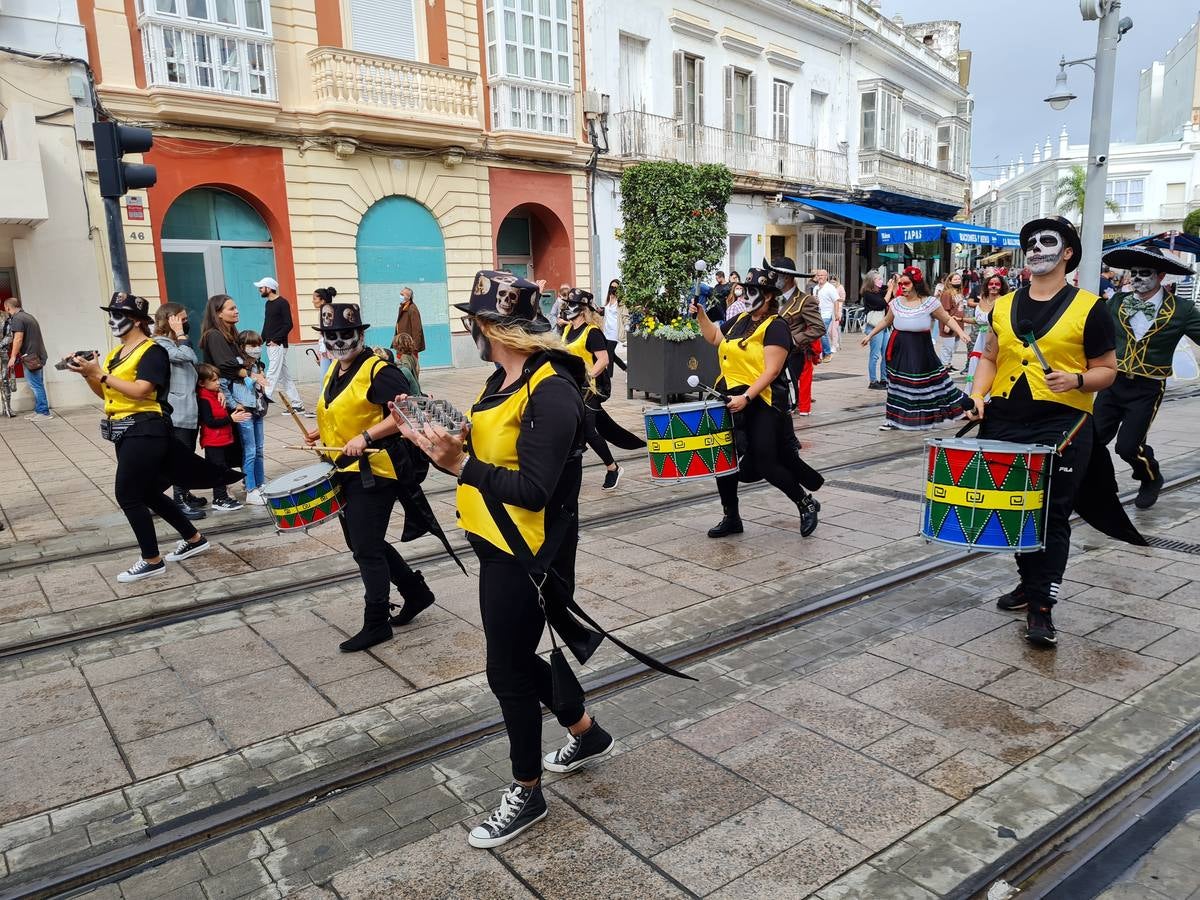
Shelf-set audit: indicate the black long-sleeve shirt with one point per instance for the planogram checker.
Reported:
(277, 321)
(220, 352)
(549, 435)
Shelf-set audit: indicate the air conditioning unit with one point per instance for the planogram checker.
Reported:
(595, 103)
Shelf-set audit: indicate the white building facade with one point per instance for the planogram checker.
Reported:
(831, 101)
(1153, 186)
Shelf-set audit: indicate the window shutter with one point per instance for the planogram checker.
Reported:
(677, 65)
(699, 91)
(752, 112)
(385, 27)
(728, 98)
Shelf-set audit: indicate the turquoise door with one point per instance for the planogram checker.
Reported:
(400, 245)
(242, 267)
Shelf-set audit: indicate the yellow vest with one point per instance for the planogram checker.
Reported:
(116, 404)
(579, 347)
(494, 433)
(351, 413)
(744, 359)
(1062, 346)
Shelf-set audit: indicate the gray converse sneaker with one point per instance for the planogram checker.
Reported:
(142, 569)
(184, 550)
(593, 744)
(519, 808)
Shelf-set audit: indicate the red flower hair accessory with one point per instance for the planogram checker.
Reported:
(914, 274)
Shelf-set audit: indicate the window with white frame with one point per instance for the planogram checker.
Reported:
(216, 46)
(781, 102)
(529, 53)
(740, 100)
(952, 146)
(879, 119)
(1127, 193)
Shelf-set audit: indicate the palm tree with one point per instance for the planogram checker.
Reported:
(1071, 192)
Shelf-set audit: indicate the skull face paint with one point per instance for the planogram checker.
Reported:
(755, 296)
(1145, 281)
(344, 344)
(481, 341)
(1043, 251)
(119, 324)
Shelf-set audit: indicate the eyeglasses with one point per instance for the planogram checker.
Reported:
(1142, 273)
(467, 322)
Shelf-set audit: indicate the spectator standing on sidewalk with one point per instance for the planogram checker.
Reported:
(408, 321)
(613, 325)
(216, 430)
(952, 302)
(29, 349)
(323, 297)
(875, 297)
(277, 325)
(827, 299)
(171, 329)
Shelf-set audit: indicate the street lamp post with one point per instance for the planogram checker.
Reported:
(1110, 30)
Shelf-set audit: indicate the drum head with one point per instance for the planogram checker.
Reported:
(298, 480)
(971, 444)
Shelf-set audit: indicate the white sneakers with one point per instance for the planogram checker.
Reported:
(255, 498)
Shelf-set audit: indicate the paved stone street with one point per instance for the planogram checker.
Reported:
(890, 748)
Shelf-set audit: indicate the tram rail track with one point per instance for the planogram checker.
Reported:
(201, 609)
(189, 833)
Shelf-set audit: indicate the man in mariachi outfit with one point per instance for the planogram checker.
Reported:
(1150, 324)
(1052, 406)
(802, 313)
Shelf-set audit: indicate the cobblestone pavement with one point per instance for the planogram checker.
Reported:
(873, 752)
(1170, 871)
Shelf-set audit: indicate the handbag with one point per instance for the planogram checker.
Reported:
(31, 362)
(874, 317)
(115, 429)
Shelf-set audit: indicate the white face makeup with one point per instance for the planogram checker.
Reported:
(1043, 251)
(119, 325)
(344, 344)
(1145, 281)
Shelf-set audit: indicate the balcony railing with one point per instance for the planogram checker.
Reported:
(644, 136)
(1177, 212)
(208, 58)
(368, 83)
(534, 106)
(908, 176)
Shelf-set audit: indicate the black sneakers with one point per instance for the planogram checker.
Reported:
(1147, 494)
(192, 500)
(520, 807)
(1014, 599)
(1039, 627)
(611, 477)
(731, 523)
(809, 507)
(142, 569)
(184, 550)
(595, 743)
(192, 513)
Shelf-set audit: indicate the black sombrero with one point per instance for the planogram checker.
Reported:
(1148, 257)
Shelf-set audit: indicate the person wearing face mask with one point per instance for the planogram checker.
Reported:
(250, 395)
(753, 350)
(519, 468)
(1076, 336)
(737, 301)
(585, 340)
(875, 301)
(802, 314)
(994, 287)
(920, 392)
(614, 326)
(352, 414)
(951, 299)
(171, 329)
(1150, 324)
(134, 383)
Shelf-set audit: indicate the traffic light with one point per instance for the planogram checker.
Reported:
(112, 142)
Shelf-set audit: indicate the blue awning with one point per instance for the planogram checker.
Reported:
(894, 228)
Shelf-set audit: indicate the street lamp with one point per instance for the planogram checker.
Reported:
(1103, 66)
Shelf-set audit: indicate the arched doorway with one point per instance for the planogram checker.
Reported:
(214, 242)
(400, 244)
(533, 243)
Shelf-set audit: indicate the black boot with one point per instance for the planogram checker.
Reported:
(417, 597)
(731, 523)
(376, 629)
(809, 507)
(1014, 599)
(1147, 494)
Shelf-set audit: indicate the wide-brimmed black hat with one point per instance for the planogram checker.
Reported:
(762, 279)
(1148, 257)
(340, 317)
(579, 299)
(505, 299)
(135, 307)
(1061, 226)
(785, 265)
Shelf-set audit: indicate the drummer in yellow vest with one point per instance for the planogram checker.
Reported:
(753, 348)
(352, 414)
(585, 340)
(1076, 335)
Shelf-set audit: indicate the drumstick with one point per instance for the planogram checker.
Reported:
(1026, 327)
(321, 448)
(295, 415)
(694, 381)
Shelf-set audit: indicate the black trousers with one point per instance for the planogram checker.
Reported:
(1126, 410)
(598, 444)
(767, 450)
(142, 460)
(613, 359)
(1042, 572)
(512, 625)
(219, 456)
(364, 524)
(187, 437)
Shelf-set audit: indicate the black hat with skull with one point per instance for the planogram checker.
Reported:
(579, 300)
(505, 299)
(342, 329)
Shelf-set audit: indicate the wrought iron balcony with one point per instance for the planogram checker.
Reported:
(640, 135)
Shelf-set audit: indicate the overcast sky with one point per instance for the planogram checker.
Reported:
(1015, 49)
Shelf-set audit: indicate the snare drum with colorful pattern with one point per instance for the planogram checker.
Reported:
(303, 498)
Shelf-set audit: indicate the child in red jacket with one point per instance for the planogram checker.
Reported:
(216, 428)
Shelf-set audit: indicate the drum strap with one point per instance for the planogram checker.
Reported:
(539, 571)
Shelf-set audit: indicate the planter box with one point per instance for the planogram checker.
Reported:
(660, 369)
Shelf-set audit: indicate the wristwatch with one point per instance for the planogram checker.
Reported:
(104, 378)
(1079, 375)
(367, 437)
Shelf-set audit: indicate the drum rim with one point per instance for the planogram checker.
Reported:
(987, 445)
(328, 471)
(688, 407)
